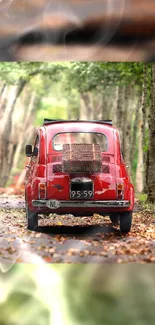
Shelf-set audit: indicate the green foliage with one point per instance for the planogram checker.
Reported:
(19, 303)
(86, 76)
(145, 204)
(83, 76)
(146, 141)
(58, 85)
(12, 72)
(142, 197)
(110, 295)
(90, 294)
(51, 108)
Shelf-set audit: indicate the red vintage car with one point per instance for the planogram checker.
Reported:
(76, 167)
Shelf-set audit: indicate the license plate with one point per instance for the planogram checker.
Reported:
(81, 194)
(53, 204)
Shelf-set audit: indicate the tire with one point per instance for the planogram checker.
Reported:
(114, 218)
(32, 219)
(125, 221)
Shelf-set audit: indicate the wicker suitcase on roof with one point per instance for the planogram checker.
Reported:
(81, 158)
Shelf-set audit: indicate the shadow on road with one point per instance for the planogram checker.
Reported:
(79, 231)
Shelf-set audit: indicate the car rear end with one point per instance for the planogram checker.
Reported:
(89, 185)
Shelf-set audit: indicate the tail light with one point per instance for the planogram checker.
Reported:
(42, 190)
(106, 159)
(120, 191)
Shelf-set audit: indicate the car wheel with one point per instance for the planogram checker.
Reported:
(32, 219)
(125, 221)
(114, 218)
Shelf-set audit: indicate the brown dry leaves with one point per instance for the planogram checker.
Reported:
(83, 240)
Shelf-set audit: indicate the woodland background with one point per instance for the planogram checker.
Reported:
(123, 92)
(123, 294)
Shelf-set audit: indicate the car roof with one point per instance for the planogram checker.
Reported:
(79, 125)
(52, 121)
(106, 124)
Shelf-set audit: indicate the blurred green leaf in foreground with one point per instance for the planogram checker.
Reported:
(78, 294)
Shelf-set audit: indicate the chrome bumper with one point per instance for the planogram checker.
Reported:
(82, 204)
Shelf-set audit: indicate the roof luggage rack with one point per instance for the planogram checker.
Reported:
(50, 121)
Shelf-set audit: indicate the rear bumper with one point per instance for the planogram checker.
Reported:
(82, 204)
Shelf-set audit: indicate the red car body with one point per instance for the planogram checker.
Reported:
(48, 188)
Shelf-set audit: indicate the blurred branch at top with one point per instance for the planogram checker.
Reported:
(106, 30)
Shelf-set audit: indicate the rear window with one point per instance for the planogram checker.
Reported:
(79, 137)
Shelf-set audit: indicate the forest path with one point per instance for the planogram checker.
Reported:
(69, 239)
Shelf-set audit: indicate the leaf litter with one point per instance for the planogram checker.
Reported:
(83, 240)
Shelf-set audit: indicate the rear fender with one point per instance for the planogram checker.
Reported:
(128, 191)
(131, 197)
(31, 192)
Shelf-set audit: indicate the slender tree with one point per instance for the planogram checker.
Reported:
(151, 150)
(143, 124)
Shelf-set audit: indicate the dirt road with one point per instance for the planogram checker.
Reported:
(69, 239)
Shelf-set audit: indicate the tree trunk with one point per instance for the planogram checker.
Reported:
(151, 150)
(126, 127)
(8, 147)
(21, 179)
(2, 90)
(143, 126)
(25, 124)
(107, 103)
(135, 127)
(139, 170)
(86, 112)
(3, 101)
(120, 110)
(97, 104)
(115, 101)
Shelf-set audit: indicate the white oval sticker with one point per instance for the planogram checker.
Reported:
(53, 204)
